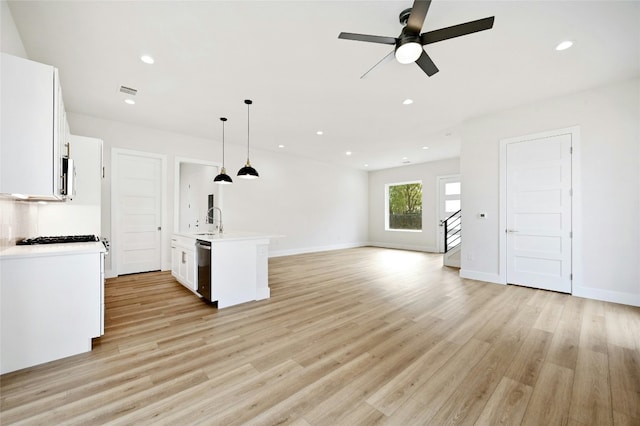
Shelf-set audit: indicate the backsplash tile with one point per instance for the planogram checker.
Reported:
(18, 220)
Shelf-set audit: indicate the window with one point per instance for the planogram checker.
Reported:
(404, 206)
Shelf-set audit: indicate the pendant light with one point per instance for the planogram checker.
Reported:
(223, 178)
(248, 172)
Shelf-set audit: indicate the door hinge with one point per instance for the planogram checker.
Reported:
(570, 192)
(570, 234)
(570, 150)
(570, 277)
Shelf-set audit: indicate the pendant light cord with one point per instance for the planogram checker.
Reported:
(223, 119)
(248, 102)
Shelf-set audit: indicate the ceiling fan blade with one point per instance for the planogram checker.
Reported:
(427, 65)
(457, 30)
(386, 59)
(368, 38)
(418, 13)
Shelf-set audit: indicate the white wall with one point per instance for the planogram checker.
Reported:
(428, 174)
(315, 206)
(609, 165)
(10, 41)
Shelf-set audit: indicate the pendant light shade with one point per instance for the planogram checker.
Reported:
(223, 177)
(248, 172)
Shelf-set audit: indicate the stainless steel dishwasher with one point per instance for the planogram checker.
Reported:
(203, 250)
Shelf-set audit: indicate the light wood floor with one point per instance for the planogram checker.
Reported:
(360, 336)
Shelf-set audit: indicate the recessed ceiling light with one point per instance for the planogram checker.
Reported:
(129, 101)
(407, 101)
(319, 133)
(147, 59)
(564, 45)
(366, 165)
(280, 146)
(425, 147)
(404, 158)
(348, 153)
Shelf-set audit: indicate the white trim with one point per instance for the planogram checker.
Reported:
(439, 201)
(482, 276)
(632, 299)
(291, 252)
(176, 186)
(164, 233)
(428, 249)
(576, 202)
(386, 205)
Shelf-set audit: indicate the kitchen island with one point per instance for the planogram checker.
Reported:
(236, 266)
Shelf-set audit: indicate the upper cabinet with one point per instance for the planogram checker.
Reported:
(34, 133)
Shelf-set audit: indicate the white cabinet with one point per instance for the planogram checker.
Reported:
(183, 261)
(82, 214)
(52, 302)
(34, 129)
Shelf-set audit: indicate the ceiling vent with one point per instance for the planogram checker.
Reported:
(128, 90)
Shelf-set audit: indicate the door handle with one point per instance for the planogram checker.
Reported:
(510, 231)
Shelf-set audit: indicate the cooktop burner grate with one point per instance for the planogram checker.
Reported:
(58, 240)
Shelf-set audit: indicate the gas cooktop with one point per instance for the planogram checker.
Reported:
(58, 240)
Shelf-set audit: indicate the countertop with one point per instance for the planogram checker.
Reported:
(16, 252)
(227, 236)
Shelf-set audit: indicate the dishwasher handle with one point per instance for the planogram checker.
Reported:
(203, 246)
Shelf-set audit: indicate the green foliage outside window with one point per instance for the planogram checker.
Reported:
(405, 206)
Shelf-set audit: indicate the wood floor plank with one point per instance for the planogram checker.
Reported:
(591, 395)
(551, 398)
(507, 404)
(624, 372)
(357, 336)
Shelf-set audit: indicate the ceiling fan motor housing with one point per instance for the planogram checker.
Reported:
(412, 47)
(404, 16)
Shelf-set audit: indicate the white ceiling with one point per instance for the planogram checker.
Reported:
(287, 58)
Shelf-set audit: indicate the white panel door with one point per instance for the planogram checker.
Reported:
(538, 211)
(139, 193)
(449, 193)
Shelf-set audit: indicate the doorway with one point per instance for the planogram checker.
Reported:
(449, 193)
(137, 201)
(536, 212)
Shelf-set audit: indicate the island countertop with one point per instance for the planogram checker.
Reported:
(227, 236)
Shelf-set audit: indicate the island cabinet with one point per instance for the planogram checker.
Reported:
(239, 269)
(183, 261)
(34, 135)
(51, 302)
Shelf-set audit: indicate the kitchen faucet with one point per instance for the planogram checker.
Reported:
(211, 214)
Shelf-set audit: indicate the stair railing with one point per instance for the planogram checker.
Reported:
(452, 231)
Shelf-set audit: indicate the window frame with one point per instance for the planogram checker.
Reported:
(386, 206)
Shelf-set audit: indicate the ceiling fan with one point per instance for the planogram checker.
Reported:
(408, 45)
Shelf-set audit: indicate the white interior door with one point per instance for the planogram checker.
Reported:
(138, 199)
(449, 193)
(538, 213)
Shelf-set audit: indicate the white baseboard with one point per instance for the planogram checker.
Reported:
(607, 295)
(481, 276)
(427, 249)
(291, 252)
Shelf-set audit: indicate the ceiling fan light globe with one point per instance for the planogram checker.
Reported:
(408, 52)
